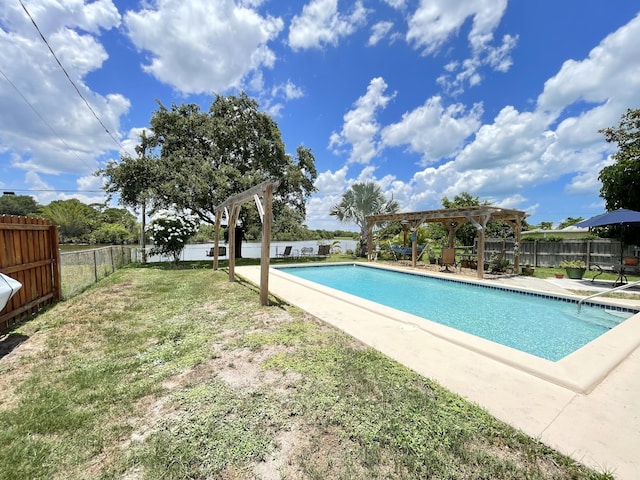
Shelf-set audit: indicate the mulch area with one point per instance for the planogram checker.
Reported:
(440, 270)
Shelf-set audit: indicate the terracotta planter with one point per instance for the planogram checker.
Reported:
(559, 275)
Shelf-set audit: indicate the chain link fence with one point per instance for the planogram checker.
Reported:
(83, 268)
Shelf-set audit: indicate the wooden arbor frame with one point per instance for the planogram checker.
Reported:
(232, 207)
(452, 219)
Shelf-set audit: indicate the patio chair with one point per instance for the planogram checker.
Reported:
(324, 250)
(448, 258)
(286, 253)
(222, 251)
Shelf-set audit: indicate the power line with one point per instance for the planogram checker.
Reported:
(43, 120)
(117, 142)
(58, 190)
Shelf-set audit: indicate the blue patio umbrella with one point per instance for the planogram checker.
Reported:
(621, 216)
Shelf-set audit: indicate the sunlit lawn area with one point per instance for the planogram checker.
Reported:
(161, 372)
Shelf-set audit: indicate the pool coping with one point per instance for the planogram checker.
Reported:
(600, 429)
(581, 371)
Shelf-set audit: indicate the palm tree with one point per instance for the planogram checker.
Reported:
(359, 201)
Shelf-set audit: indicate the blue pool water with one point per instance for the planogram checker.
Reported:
(542, 325)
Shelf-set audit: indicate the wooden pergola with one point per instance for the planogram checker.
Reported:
(262, 194)
(452, 219)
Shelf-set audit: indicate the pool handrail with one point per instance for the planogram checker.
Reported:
(619, 287)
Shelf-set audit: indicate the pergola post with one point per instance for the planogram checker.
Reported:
(267, 220)
(231, 226)
(414, 242)
(482, 228)
(216, 238)
(480, 253)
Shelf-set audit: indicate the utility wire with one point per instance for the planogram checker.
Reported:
(9, 189)
(43, 119)
(69, 78)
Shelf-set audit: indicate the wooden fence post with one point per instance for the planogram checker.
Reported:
(56, 268)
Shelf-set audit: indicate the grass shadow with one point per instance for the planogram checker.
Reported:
(11, 342)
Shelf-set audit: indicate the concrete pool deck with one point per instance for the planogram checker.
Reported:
(600, 429)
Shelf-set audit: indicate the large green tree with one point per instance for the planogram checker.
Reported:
(567, 222)
(74, 219)
(466, 234)
(359, 201)
(621, 181)
(117, 226)
(134, 179)
(21, 205)
(207, 157)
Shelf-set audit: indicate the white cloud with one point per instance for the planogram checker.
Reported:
(279, 95)
(434, 23)
(521, 151)
(469, 70)
(378, 32)
(360, 129)
(331, 186)
(321, 24)
(201, 46)
(288, 90)
(332, 183)
(397, 4)
(50, 129)
(432, 130)
(44, 193)
(610, 72)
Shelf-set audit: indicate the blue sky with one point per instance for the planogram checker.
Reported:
(501, 99)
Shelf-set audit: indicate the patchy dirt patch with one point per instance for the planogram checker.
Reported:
(281, 463)
(241, 368)
(307, 452)
(13, 370)
(272, 317)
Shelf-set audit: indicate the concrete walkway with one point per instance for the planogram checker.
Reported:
(600, 429)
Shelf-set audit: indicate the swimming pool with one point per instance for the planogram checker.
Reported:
(543, 325)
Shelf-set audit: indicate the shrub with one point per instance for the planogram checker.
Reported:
(170, 231)
(572, 264)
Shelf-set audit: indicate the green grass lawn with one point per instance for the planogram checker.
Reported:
(174, 373)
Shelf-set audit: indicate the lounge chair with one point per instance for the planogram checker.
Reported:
(222, 251)
(286, 253)
(400, 250)
(324, 250)
(306, 251)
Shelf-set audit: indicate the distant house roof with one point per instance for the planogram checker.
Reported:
(568, 232)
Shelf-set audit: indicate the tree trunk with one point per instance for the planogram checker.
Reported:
(363, 242)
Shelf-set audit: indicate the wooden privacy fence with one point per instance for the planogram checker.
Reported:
(29, 253)
(540, 253)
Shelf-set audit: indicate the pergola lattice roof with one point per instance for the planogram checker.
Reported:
(459, 215)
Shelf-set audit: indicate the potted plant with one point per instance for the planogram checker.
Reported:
(527, 270)
(575, 268)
